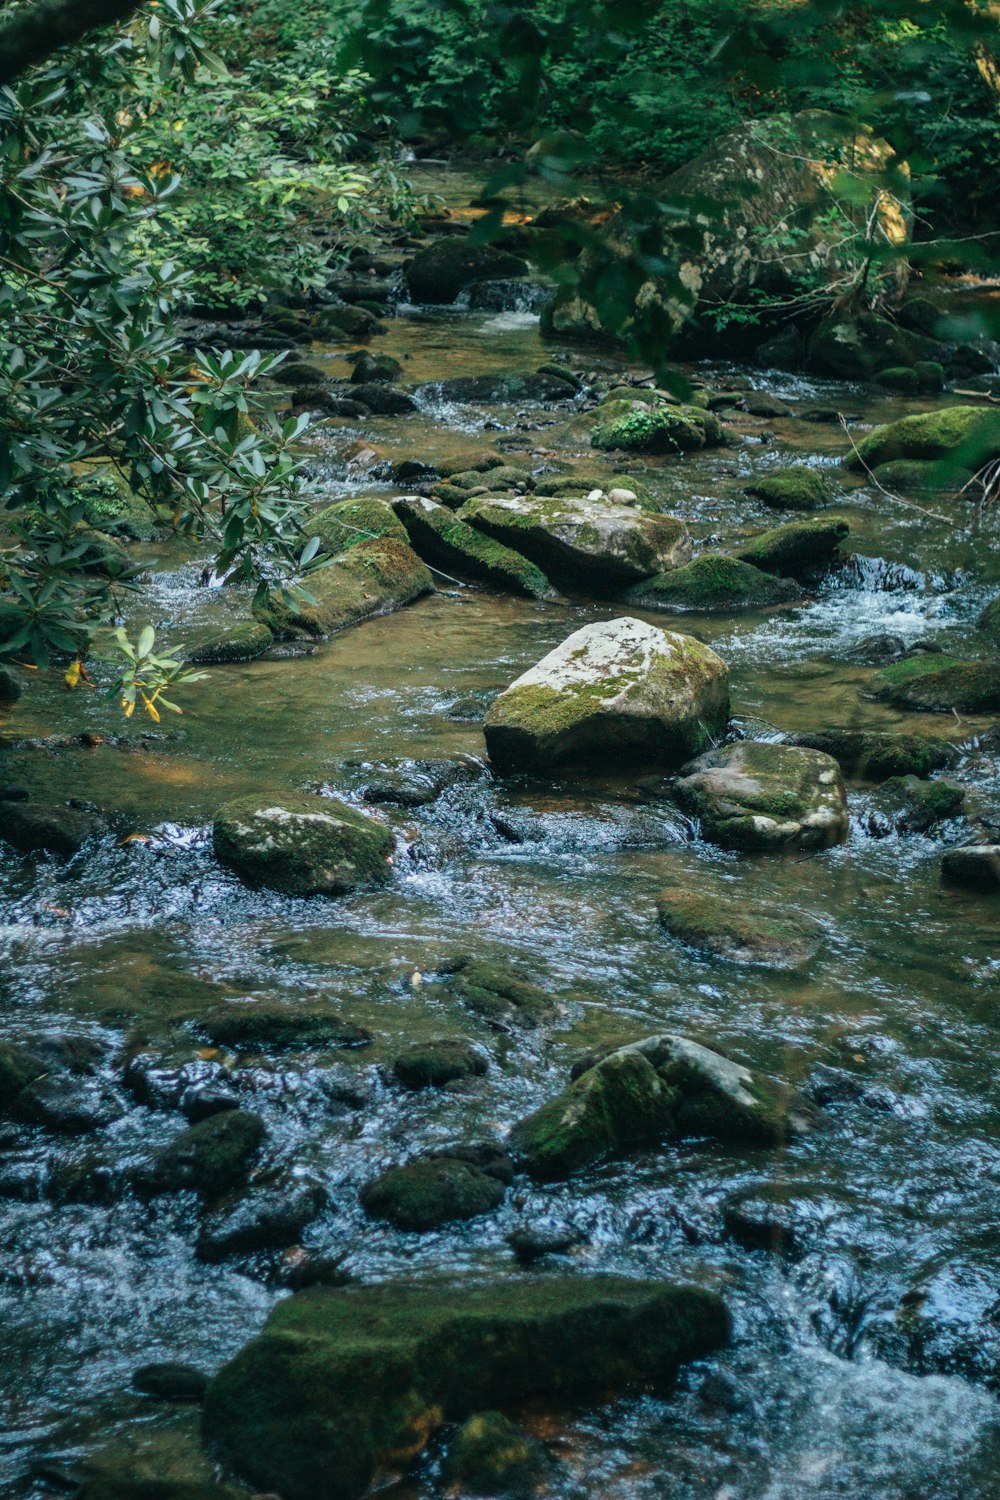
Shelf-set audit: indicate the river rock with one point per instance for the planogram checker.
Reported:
(417, 783)
(586, 544)
(51, 828)
(620, 689)
(238, 643)
(795, 488)
(910, 804)
(491, 1455)
(374, 367)
(503, 387)
(53, 1083)
(446, 541)
(264, 1026)
(863, 346)
(425, 1193)
(967, 436)
(373, 577)
(382, 399)
(796, 548)
(722, 923)
(497, 990)
(712, 582)
(302, 845)
(875, 754)
(208, 1158)
(426, 1065)
(269, 1217)
(345, 523)
(938, 684)
(169, 1380)
(662, 1088)
(540, 1237)
(637, 428)
(11, 685)
(446, 267)
(973, 867)
(342, 1385)
(765, 797)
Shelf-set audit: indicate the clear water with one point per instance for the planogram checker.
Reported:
(817, 1397)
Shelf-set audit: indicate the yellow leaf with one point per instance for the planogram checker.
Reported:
(151, 709)
(128, 708)
(72, 674)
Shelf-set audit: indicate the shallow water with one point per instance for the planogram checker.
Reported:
(818, 1396)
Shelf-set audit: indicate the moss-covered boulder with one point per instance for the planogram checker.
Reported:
(302, 845)
(934, 683)
(49, 827)
(795, 488)
(616, 489)
(497, 990)
(911, 804)
(588, 545)
(661, 1088)
(238, 643)
(657, 429)
(722, 923)
(797, 548)
(712, 582)
(875, 754)
(424, 1194)
(209, 1158)
(432, 1065)
(765, 797)
(922, 475)
(972, 867)
(374, 367)
(619, 688)
(347, 522)
(967, 436)
(491, 1455)
(440, 272)
(858, 347)
(373, 577)
(342, 1385)
(493, 481)
(269, 1026)
(110, 505)
(445, 541)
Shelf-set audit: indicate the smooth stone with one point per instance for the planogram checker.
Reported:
(972, 867)
(34, 827)
(794, 488)
(440, 272)
(967, 435)
(241, 643)
(302, 845)
(910, 804)
(765, 797)
(424, 1194)
(875, 754)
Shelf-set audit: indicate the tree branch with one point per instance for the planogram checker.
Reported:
(35, 31)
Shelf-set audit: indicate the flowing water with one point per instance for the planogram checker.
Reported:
(824, 1392)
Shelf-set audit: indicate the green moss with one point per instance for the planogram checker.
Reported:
(302, 845)
(241, 643)
(968, 435)
(935, 683)
(875, 755)
(711, 582)
(910, 804)
(373, 577)
(347, 522)
(721, 923)
(451, 544)
(753, 795)
(796, 547)
(263, 1026)
(663, 429)
(490, 1455)
(500, 992)
(919, 474)
(209, 1158)
(795, 488)
(899, 378)
(424, 1194)
(111, 506)
(427, 1065)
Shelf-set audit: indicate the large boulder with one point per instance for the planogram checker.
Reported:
(586, 544)
(937, 684)
(768, 797)
(965, 436)
(796, 487)
(345, 523)
(797, 548)
(661, 1088)
(373, 577)
(342, 1386)
(863, 346)
(440, 272)
(618, 689)
(445, 541)
(712, 582)
(301, 845)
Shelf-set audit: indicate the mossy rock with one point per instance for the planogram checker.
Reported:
(448, 543)
(796, 548)
(972, 867)
(618, 688)
(238, 643)
(341, 1385)
(661, 429)
(930, 375)
(901, 378)
(380, 367)
(855, 348)
(661, 1088)
(375, 576)
(110, 505)
(440, 272)
(347, 522)
(266, 1026)
(209, 1158)
(482, 460)
(910, 804)
(425, 1194)
(969, 436)
(351, 322)
(756, 796)
(504, 477)
(875, 755)
(712, 582)
(581, 485)
(498, 991)
(937, 684)
(989, 621)
(432, 1065)
(723, 924)
(920, 475)
(491, 1455)
(302, 846)
(51, 828)
(795, 488)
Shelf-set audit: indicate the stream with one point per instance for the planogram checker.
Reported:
(826, 1390)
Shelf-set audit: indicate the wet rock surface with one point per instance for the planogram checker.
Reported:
(765, 797)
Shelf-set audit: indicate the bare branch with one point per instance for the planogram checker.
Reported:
(37, 30)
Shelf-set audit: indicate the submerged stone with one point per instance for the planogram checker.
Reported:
(721, 922)
(796, 488)
(619, 688)
(989, 621)
(800, 546)
(503, 386)
(51, 828)
(169, 1380)
(343, 1385)
(426, 1065)
(269, 1217)
(875, 754)
(712, 582)
(259, 1025)
(498, 991)
(909, 804)
(765, 797)
(52, 1084)
(446, 541)
(661, 1088)
(239, 643)
(302, 845)
(491, 1455)
(426, 1193)
(938, 684)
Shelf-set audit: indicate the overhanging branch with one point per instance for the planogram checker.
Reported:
(37, 30)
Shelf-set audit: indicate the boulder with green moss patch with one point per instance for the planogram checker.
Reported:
(794, 488)
(972, 867)
(918, 475)
(243, 642)
(110, 505)
(585, 544)
(658, 429)
(491, 1455)
(765, 797)
(967, 436)
(720, 922)
(498, 990)
(374, 576)
(275, 1026)
(347, 522)
(875, 754)
(343, 1385)
(911, 804)
(661, 1088)
(433, 1065)
(209, 1158)
(437, 1190)
(712, 582)
(301, 845)
(934, 683)
(796, 548)
(445, 541)
(618, 689)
